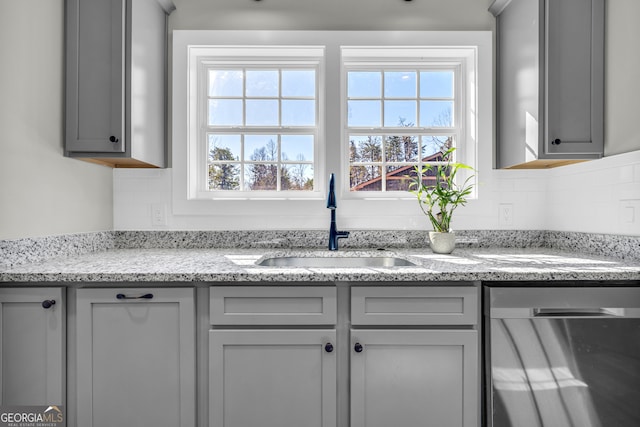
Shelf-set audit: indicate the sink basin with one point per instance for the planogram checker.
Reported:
(335, 261)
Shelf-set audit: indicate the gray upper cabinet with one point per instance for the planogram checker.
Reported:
(116, 81)
(550, 80)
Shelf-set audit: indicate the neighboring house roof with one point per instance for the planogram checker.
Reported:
(396, 177)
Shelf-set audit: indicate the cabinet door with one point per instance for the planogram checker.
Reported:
(31, 346)
(518, 105)
(136, 357)
(575, 76)
(95, 76)
(416, 378)
(272, 378)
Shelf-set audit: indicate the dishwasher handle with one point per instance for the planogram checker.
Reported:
(559, 313)
(577, 312)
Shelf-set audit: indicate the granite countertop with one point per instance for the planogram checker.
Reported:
(238, 265)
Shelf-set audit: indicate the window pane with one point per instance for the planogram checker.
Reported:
(262, 83)
(397, 179)
(262, 112)
(297, 147)
(299, 83)
(297, 177)
(432, 146)
(225, 82)
(399, 113)
(364, 113)
(436, 113)
(365, 148)
(261, 177)
(401, 148)
(224, 147)
(365, 178)
(225, 112)
(436, 84)
(364, 84)
(400, 84)
(298, 113)
(261, 147)
(224, 176)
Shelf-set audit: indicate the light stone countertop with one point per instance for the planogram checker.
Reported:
(189, 266)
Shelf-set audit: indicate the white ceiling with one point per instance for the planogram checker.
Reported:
(332, 15)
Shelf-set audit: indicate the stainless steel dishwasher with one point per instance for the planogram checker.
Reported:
(562, 356)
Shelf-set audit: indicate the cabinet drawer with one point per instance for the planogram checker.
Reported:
(268, 305)
(433, 305)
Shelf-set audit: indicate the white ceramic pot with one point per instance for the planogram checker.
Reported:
(442, 243)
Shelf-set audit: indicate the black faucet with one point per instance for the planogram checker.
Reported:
(334, 234)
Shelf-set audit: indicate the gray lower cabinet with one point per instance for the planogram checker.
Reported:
(272, 356)
(358, 356)
(116, 81)
(550, 81)
(272, 378)
(425, 374)
(414, 378)
(135, 357)
(32, 338)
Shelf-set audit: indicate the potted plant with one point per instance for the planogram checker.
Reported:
(439, 195)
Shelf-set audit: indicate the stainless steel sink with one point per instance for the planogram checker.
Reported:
(335, 261)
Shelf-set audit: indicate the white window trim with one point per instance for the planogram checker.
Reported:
(283, 213)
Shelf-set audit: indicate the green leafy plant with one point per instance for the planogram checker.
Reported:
(439, 199)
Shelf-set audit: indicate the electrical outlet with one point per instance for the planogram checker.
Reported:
(505, 214)
(629, 210)
(158, 215)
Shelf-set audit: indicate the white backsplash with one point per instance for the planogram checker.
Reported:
(601, 196)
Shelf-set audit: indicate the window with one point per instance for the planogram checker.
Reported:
(402, 112)
(258, 120)
(261, 118)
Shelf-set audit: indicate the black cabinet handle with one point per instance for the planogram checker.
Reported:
(145, 296)
(328, 347)
(358, 347)
(556, 141)
(48, 303)
(113, 139)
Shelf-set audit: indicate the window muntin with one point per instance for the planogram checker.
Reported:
(398, 118)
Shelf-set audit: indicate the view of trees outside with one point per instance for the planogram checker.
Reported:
(241, 100)
(265, 163)
(400, 156)
(400, 107)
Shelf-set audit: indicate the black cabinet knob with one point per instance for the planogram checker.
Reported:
(556, 141)
(113, 139)
(328, 347)
(48, 303)
(358, 347)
